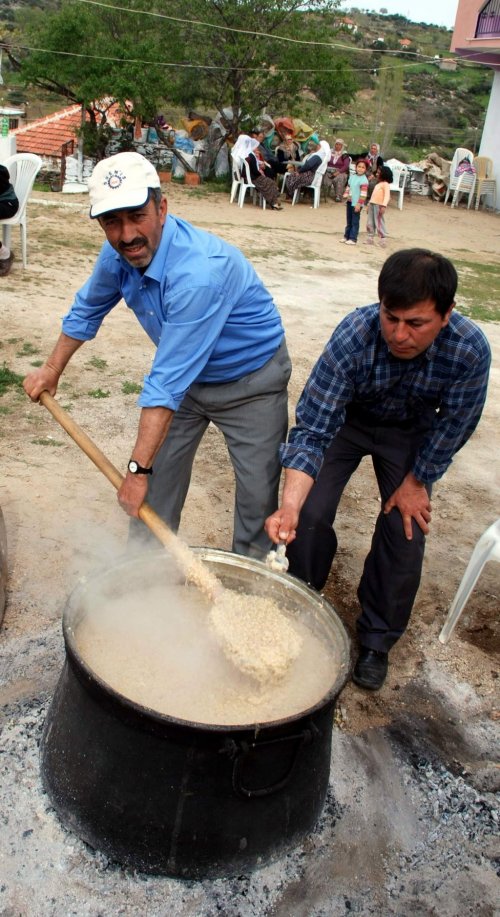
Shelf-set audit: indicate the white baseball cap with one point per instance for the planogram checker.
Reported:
(121, 182)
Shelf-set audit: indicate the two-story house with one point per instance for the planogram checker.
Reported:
(477, 38)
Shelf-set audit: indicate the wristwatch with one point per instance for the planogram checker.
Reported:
(135, 468)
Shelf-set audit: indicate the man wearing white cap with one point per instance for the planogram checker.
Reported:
(221, 354)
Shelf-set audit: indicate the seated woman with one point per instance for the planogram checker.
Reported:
(247, 148)
(299, 176)
(338, 169)
(264, 154)
(288, 150)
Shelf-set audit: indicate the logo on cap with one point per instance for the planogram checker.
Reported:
(114, 179)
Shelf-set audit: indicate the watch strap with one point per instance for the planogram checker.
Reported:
(135, 468)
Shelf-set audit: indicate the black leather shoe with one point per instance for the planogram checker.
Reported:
(371, 669)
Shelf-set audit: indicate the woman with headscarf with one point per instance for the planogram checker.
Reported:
(247, 148)
(373, 159)
(299, 176)
(374, 162)
(288, 150)
(338, 169)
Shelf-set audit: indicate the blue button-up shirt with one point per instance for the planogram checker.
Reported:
(199, 300)
(448, 380)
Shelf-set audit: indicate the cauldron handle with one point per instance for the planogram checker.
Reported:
(239, 751)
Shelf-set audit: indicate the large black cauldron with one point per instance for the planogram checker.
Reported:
(168, 796)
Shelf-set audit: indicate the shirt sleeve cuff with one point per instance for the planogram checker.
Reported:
(155, 396)
(309, 463)
(81, 331)
(428, 473)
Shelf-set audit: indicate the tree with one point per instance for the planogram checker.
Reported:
(123, 54)
(256, 73)
(91, 53)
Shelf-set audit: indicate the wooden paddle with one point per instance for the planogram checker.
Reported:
(258, 639)
(194, 570)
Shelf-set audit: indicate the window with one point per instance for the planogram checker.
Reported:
(488, 23)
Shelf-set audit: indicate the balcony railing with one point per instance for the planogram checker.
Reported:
(488, 23)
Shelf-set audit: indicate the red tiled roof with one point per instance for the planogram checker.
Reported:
(46, 136)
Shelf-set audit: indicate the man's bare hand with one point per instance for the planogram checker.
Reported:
(47, 377)
(41, 380)
(413, 502)
(282, 525)
(132, 493)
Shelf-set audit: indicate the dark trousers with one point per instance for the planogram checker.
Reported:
(392, 569)
(352, 226)
(8, 209)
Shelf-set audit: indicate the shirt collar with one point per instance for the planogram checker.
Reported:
(156, 268)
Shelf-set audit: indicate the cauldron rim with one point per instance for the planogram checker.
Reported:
(92, 680)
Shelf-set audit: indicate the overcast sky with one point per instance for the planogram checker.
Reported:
(437, 12)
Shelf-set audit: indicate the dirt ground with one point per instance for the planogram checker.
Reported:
(63, 522)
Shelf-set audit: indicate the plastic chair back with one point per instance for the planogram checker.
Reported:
(483, 166)
(460, 183)
(237, 178)
(317, 181)
(487, 548)
(399, 179)
(485, 183)
(247, 185)
(23, 169)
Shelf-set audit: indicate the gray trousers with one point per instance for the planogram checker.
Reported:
(252, 414)
(376, 221)
(392, 570)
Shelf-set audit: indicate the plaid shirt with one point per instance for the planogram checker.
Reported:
(448, 380)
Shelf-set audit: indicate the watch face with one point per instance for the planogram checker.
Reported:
(133, 466)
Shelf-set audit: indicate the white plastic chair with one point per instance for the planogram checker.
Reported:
(315, 185)
(485, 183)
(461, 184)
(487, 548)
(400, 174)
(23, 169)
(248, 185)
(237, 178)
(465, 185)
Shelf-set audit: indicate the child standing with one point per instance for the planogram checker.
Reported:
(377, 206)
(355, 196)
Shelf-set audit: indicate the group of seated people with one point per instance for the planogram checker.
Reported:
(288, 156)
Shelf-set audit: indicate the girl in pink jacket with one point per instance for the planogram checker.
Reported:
(377, 206)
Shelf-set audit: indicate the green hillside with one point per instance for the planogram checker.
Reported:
(404, 99)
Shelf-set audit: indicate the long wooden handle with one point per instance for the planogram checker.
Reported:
(146, 513)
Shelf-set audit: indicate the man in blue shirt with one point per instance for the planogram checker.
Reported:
(221, 354)
(403, 381)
